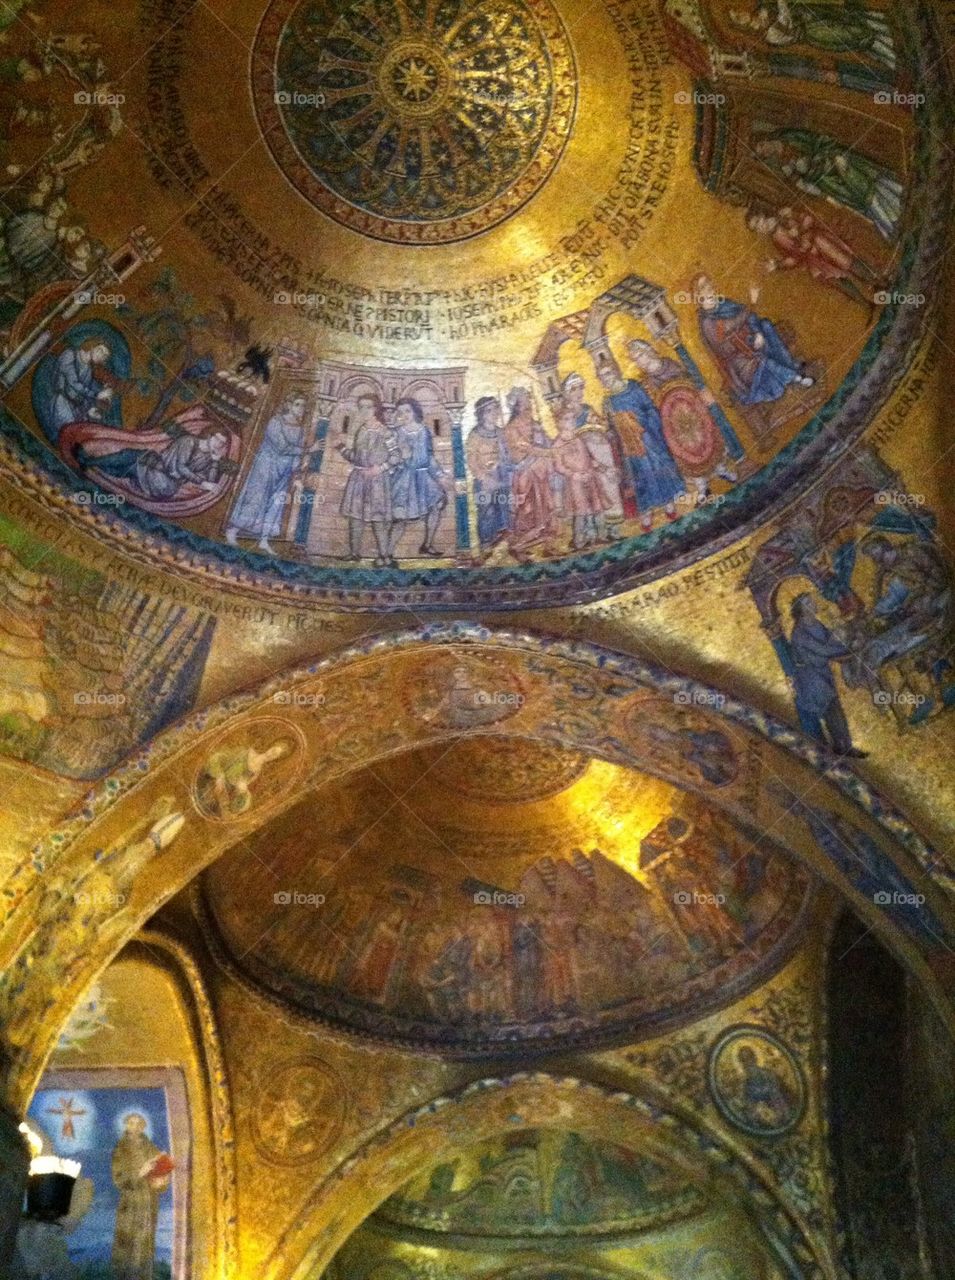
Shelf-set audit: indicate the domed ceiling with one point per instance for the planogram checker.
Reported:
(403, 302)
(487, 895)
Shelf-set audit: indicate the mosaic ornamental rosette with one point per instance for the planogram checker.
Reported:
(414, 121)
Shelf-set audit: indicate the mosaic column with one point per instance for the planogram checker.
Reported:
(465, 518)
(303, 520)
(14, 1165)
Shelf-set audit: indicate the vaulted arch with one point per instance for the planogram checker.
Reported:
(152, 826)
(444, 1126)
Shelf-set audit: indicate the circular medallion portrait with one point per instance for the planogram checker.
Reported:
(300, 1111)
(453, 691)
(689, 743)
(756, 1082)
(249, 769)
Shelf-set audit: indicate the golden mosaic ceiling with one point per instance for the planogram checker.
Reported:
(431, 303)
(503, 771)
(416, 123)
(541, 1183)
(435, 904)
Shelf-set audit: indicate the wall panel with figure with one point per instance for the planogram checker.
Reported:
(134, 1093)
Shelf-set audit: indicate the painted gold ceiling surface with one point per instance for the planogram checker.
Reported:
(541, 1183)
(472, 919)
(421, 303)
(311, 308)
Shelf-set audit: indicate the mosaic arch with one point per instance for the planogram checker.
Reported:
(388, 316)
(337, 1206)
(552, 1204)
(517, 1188)
(147, 830)
(180, 962)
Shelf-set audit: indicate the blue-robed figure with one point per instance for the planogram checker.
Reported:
(635, 419)
(76, 392)
(813, 648)
(757, 364)
(260, 509)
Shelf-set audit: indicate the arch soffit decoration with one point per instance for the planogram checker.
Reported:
(576, 695)
(159, 948)
(178, 961)
(342, 1201)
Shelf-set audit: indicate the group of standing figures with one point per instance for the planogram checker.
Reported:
(659, 437)
(649, 453)
(395, 477)
(597, 471)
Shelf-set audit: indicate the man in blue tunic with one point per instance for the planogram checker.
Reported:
(490, 468)
(813, 649)
(418, 483)
(758, 366)
(260, 510)
(657, 481)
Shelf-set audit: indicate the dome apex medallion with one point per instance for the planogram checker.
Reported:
(418, 123)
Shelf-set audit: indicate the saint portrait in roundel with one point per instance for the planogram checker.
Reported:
(462, 692)
(300, 1111)
(249, 770)
(756, 1082)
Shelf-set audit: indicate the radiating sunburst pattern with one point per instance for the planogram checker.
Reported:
(418, 121)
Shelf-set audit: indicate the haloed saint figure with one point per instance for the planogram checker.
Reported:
(141, 1174)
